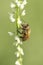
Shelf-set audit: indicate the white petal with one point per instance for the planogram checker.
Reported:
(19, 21)
(20, 50)
(17, 63)
(10, 33)
(17, 54)
(22, 6)
(12, 5)
(18, 3)
(18, 43)
(17, 39)
(24, 2)
(11, 17)
(23, 13)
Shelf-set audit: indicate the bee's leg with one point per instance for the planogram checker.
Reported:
(19, 32)
(21, 36)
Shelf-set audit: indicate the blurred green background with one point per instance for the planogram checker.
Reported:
(33, 48)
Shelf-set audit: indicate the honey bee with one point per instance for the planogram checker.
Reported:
(25, 34)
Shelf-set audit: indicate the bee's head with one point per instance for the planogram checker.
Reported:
(25, 26)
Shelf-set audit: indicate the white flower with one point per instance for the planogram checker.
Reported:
(22, 6)
(12, 5)
(23, 13)
(18, 3)
(18, 43)
(12, 18)
(17, 39)
(19, 21)
(10, 33)
(20, 50)
(24, 2)
(17, 63)
(17, 54)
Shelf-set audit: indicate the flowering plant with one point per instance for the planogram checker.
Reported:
(18, 11)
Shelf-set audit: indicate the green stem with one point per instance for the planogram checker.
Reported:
(17, 15)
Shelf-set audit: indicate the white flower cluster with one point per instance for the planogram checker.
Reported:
(21, 4)
(19, 53)
(17, 4)
(18, 43)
